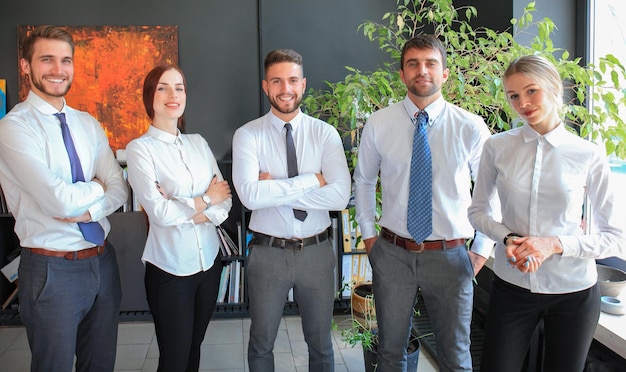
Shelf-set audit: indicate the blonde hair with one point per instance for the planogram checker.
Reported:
(542, 71)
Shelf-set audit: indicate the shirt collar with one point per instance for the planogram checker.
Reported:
(279, 124)
(163, 135)
(41, 105)
(555, 137)
(433, 110)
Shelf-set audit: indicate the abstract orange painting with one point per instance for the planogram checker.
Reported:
(110, 63)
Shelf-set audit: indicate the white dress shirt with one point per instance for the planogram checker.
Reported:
(542, 181)
(455, 137)
(259, 146)
(184, 166)
(36, 176)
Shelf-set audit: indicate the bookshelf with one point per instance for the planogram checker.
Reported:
(355, 267)
(9, 246)
(232, 299)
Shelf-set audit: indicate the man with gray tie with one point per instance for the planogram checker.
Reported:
(426, 151)
(61, 180)
(290, 170)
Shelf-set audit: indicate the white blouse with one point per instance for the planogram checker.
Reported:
(184, 166)
(543, 182)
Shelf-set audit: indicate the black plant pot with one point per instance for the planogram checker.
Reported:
(413, 354)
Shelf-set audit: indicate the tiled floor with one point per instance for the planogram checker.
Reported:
(224, 348)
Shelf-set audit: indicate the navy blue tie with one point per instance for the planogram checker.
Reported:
(292, 167)
(420, 209)
(92, 231)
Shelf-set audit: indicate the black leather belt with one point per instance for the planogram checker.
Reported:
(291, 244)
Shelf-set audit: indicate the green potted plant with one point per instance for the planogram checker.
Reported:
(362, 306)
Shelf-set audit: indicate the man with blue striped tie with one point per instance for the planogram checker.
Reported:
(426, 151)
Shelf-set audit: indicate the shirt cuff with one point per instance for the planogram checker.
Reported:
(367, 230)
(482, 246)
(96, 210)
(569, 243)
(216, 215)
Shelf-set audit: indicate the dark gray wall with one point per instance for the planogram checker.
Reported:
(219, 46)
(218, 51)
(325, 33)
(222, 44)
(564, 14)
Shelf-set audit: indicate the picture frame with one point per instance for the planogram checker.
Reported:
(110, 63)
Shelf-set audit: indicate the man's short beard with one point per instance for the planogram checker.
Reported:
(42, 88)
(275, 105)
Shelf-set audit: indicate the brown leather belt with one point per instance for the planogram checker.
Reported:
(412, 245)
(70, 255)
(292, 244)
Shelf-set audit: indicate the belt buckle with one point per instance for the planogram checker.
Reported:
(421, 247)
(291, 244)
(295, 245)
(72, 256)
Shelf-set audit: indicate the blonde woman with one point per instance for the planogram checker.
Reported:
(544, 260)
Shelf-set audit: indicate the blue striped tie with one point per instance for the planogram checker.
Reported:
(92, 231)
(420, 209)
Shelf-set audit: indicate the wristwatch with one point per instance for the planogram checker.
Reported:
(510, 236)
(207, 200)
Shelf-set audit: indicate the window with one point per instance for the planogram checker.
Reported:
(607, 31)
(607, 35)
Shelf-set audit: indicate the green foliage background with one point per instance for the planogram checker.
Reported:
(477, 58)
